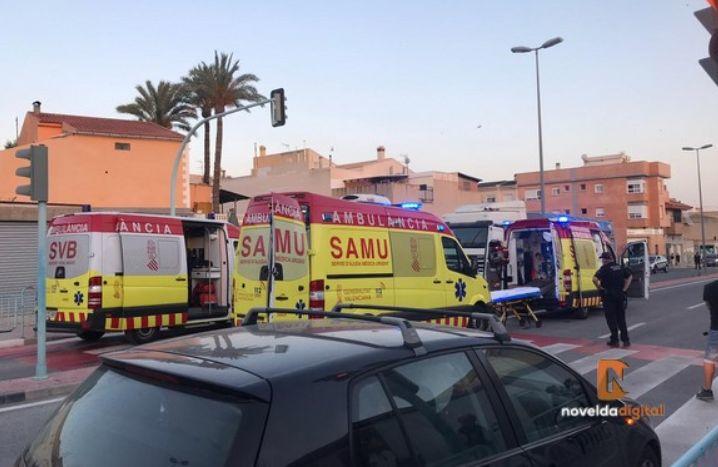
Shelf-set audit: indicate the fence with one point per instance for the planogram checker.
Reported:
(17, 309)
(702, 454)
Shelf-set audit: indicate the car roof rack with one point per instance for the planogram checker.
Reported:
(497, 328)
(409, 335)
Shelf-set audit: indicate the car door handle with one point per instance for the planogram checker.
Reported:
(63, 290)
(282, 298)
(180, 279)
(76, 283)
(437, 281)
(450, 281)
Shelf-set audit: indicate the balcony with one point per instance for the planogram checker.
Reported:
(676, 228)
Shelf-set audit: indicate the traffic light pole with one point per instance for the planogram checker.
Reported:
(41, 365)
(185, 141)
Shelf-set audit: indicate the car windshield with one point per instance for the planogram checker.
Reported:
(471, 237)
(116, 420)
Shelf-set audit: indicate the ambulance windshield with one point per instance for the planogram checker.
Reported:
(471, 237)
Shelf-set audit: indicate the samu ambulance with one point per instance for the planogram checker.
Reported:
(133, 273)
(560, 256)
(328, 251)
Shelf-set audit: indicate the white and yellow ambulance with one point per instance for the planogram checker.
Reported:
(328, 251)
(137, 273)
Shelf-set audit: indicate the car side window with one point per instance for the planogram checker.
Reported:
(377, 436)
(538, 389)
(455, 258)
(445, 410)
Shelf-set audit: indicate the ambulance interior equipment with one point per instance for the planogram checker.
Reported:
(208, 274)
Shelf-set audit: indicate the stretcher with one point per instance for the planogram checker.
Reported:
(516, 302)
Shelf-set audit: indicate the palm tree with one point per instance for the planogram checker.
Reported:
(199, 84)
(165, 105)
(228, 90)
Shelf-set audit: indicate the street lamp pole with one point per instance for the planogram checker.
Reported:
(701, 249)
(535, 50)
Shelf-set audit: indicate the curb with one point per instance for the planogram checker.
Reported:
(28, 389)
(37, 394)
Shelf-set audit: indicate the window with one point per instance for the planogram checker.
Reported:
(677, 215)
(582, 187)
(422, 187)
(377, 436)
(532, 194)
(491, 199)
(471, 237)
(445, 410)
(635, 186)
(567, 188)
(455, 258)
(68, 256)
(598, 188)
(600, 212)
(555, 191)
(426, 193)
(637, 211)
(584, 211)
(122, 146)
(414, 254)
(538, 389)
(466, 186)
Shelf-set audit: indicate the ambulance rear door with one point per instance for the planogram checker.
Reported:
(635, 258)
(69, 268)
(154, 264)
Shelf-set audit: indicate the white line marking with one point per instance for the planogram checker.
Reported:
(651, 375)
(696, 305)
(629, 328)
(681, 285)
(31, 404)
(63, 341)
(555, 349)
(587, 364)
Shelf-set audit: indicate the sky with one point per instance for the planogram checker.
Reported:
(434, 81)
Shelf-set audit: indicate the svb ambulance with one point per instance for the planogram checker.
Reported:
(135, 273)
(560, 256)
(324, 251)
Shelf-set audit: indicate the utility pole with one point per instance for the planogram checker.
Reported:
(702, 247)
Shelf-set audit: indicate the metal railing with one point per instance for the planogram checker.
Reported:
(16, 309)
(703, 453)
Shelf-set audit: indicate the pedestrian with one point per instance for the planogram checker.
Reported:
(678, 259)
(697, 260)
(612, 280)
(673, 258)
(710, 296)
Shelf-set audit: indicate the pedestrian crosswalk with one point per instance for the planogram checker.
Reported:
(654, 375)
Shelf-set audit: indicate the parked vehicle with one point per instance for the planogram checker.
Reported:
(133, 273)
(710, 255)
(324, 251)
(560, 256)
(356, 390)
(658, 263)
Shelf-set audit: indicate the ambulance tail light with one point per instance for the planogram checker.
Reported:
(316, 295)
(94, 293)
(567, 280)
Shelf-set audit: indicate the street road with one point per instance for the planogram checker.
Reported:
(664, 362)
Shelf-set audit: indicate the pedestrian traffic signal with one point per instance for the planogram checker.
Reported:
(36, 172)
(278, 104)
(708, 17)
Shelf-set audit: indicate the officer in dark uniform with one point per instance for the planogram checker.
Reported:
(612, 280)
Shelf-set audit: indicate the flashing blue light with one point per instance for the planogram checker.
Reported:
(440, 228)
(563, 219)
(506, 223)
(414, 206)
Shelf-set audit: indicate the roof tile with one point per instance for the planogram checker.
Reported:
(110, 126)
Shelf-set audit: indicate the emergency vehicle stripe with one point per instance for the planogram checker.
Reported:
(144, 322)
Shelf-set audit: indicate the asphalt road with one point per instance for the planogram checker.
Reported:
(18, 425)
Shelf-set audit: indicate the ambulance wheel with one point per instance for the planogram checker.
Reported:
(142, 336)
(481, 324)
(581, 313)
(90, 336)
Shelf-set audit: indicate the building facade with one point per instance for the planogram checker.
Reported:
(632, 195)
(499, 191)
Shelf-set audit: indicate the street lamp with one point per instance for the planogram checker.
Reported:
(700, 196)
(521, 50)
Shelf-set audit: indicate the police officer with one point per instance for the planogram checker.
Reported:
(612, 280)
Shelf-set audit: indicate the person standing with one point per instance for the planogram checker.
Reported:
(710, 296)
(612, 280)
(678, 259)
(697, 259)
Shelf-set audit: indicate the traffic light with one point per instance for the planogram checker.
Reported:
(36, 172)
(278, 107)
(708, 17)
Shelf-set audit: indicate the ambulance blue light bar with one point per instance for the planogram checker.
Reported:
(563, 219)
(410, 205)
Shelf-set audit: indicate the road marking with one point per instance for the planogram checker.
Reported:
(651, 375)
(63, 341)
(589, 363)
(658, 289)
(696, 305)
(690, 422)
(555, 349)
(32, 404)
(629, 328)
(108, 349)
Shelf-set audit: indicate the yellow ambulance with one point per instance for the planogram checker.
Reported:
(137, 273)
(322, 251)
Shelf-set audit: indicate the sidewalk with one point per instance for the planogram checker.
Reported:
(28, 389)
(706, 276)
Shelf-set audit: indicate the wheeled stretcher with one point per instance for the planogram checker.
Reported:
(516, 302)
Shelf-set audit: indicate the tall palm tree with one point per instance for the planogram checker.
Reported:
(165, 105)
(199, 83)
(229, 90)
